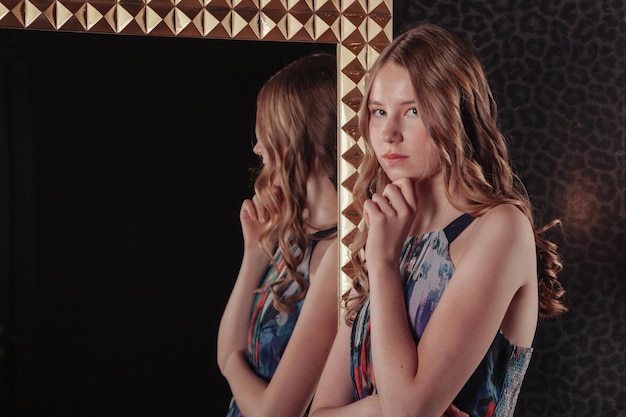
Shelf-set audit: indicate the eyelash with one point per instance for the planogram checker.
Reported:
(379, 112)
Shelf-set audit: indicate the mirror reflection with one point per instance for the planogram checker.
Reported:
(131, 158)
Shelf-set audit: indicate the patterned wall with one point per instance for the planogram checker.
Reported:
(557, 71)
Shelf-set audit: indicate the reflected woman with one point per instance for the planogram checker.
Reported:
(451, 271)
(281, 317)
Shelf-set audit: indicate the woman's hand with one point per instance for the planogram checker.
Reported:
(389, 217)
(254, 218)
(452, 411)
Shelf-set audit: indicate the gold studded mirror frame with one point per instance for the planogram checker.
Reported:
(359, 28)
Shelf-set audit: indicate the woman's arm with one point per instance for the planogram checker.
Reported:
(292, 386)
(423, 382)
(334, 396)
(233, 331)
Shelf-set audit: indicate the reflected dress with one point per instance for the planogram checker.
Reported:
(426, 269)
(270, 329)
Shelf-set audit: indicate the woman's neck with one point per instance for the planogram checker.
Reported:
(321, 204)
(434, 210)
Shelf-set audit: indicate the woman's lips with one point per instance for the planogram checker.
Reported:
(394, 158)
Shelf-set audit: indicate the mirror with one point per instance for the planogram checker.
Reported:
(360, 29)
(356, 32)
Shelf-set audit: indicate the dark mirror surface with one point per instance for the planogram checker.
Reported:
(127, 160)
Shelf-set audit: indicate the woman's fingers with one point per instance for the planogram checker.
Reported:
(261, 212)
(406, 187)
(252, 210)
(453, 411)
(248, 211)
(398, 198)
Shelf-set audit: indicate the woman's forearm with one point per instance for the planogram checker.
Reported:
(393, 346)
(233, 330)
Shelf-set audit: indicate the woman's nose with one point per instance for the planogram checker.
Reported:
(390, 132)
(258, 149)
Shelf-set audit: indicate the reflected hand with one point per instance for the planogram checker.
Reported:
(254, 218)
(453, 411)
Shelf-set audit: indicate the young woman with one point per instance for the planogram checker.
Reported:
(451, 272)
(281, 317)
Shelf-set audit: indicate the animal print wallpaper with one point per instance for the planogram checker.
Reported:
(557, 71)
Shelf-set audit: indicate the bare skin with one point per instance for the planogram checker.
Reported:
(292, 386)
(494, 286)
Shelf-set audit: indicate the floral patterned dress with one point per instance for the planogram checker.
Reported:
(426, 269)
(271, 329)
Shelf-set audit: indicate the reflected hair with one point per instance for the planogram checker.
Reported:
(457, 107)
(296, 122)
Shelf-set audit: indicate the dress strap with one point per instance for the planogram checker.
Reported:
(324, 233)
(454, 229)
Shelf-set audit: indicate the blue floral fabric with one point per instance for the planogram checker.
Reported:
(426, 270)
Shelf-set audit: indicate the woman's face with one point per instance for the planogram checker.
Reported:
(260, 151)
(398, 136)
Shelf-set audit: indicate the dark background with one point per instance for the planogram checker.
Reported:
(124, 162)
(119, 236)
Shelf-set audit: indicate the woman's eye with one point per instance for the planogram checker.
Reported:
(413, 112)
(378, 112)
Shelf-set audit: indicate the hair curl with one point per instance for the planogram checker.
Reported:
(296, 121)
(458, 109)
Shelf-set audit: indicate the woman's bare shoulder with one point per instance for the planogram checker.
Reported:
(504, 229)
(505, 219)
(324, 258)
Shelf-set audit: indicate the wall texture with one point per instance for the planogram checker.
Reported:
(557, 71)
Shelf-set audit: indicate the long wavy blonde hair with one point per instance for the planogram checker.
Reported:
(296, 121)
(458, 109)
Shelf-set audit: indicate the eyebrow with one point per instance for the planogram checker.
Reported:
(402, 103)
